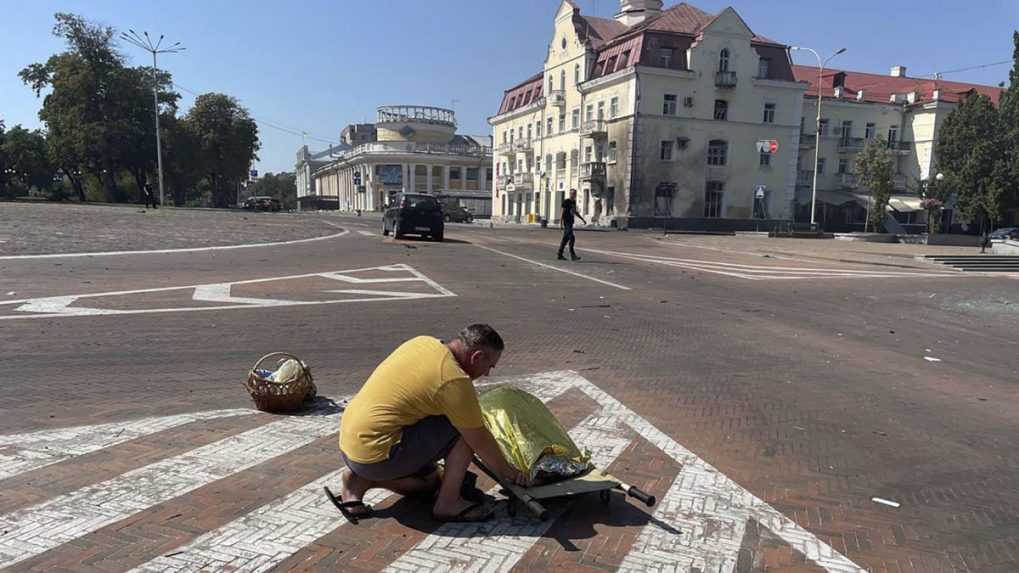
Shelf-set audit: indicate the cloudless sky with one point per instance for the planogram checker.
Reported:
(317, 65)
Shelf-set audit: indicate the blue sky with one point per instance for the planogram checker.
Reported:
(317, 65)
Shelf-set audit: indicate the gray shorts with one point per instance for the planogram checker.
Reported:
(420, 446)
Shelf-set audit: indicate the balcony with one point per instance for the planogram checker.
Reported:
(851, 144)
(848, 180)
(592, 170)
(805, 177)
(594, 128)
(502, 181)
(901, 147)
(523, 181)
(725, 79)
(523, 145)
(504, 148)
(557, 98)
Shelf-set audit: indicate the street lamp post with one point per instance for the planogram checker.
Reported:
(817, 125)
(146, 44)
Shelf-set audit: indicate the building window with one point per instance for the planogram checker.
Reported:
(589, 112)
(723, 60)
(574, 159)
(575, 119)
(820, 165)
(669, 105)
(610, 66)
(560, 160)
(576, 74)
(562, 122)
(601, 110)
(870, 130)
(454, 172)
(610, 200)
(762, 67)
(666, 150)
(505, 135)
(664, 57)
(520, 165)
(624, 59)
(520, 132)
(548, 163)
(843, 166)
(537, 129)
(717, 151)
(614, 107)
(551, 85)
(824, 126)
(721, 109)
(511, 135)
(893, 134)
(612, 152)
(472, 173)
(548, 127)
(765, 160)
(529, 132)
(713, 199)
(847, 131)
(587, 154)
(562, 80)
(488, 174)
(769, 113)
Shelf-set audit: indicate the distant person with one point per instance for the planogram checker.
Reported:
(566, 222)
(150, 197)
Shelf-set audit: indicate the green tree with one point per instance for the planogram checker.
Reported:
(4, 164)
(1008, 117)
(228, 139)
(874, 171)
(182, 159)
(971, 153)
(29, 162)
(80, 111)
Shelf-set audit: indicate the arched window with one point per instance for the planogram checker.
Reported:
(576, 74)
(550, 84)
(574, 159)
(723, 60)
(562, 79)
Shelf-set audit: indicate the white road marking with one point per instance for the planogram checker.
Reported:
(24, 452)
(262, 539)
(555, 268)
(38, 528)
(367, 233)
(170, 251)
(709, 510)
(765, 272)
(61, 306)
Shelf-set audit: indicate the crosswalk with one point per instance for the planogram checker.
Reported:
(698, 524)
(778, 271)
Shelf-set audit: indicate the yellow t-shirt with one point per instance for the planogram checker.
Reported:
(421, 378)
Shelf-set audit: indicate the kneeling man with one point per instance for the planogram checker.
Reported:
(420, 406)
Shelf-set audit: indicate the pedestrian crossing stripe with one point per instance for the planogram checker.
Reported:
(705, 512)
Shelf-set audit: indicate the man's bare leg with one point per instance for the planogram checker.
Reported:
(353, 487)
(449, 503)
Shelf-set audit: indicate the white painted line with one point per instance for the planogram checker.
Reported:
(887, 502)
(171, 251)
(60, 306)
(555, 268)
(367, 233)
(931, 359)
(20, 453)
(262, 539)
(38, 528)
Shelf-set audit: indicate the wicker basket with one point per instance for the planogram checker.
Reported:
(272, 396)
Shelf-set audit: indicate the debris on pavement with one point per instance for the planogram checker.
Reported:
(931, 359)
(887, 502)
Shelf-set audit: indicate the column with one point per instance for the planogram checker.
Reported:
(406, 176)
(412, 187)
(445, 178)
(428, 180)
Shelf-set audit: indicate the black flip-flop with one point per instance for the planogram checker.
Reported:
(345, 507)
(463, 518)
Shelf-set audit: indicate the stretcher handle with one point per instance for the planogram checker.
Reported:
(516, 491)
(637, 493)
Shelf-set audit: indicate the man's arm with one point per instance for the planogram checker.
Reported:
(484, 445)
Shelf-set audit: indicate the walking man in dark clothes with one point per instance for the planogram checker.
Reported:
(566, 220)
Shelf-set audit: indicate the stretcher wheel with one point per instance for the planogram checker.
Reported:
(606, 496)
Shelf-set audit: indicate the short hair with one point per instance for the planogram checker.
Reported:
(478, 336)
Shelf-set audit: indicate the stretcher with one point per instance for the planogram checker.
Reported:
(592, 481)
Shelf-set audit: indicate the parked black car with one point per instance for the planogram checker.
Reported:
(1004, 233)
(262, 203)
(458, 214)
(414, 214)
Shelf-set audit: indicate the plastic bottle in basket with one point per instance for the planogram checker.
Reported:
(287, 372)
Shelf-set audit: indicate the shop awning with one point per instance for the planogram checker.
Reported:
(905, 203)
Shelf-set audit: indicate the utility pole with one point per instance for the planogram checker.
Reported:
(154, 48)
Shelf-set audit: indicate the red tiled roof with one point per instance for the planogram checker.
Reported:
(522, 94)
(878, 88)
(601, 30)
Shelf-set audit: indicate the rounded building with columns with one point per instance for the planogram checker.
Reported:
(411, 148)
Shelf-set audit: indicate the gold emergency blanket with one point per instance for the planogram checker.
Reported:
(530, 436)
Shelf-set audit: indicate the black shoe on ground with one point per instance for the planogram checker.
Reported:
(574, 258)
(561, 258)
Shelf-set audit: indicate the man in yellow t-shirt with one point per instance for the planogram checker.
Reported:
(417, 407)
